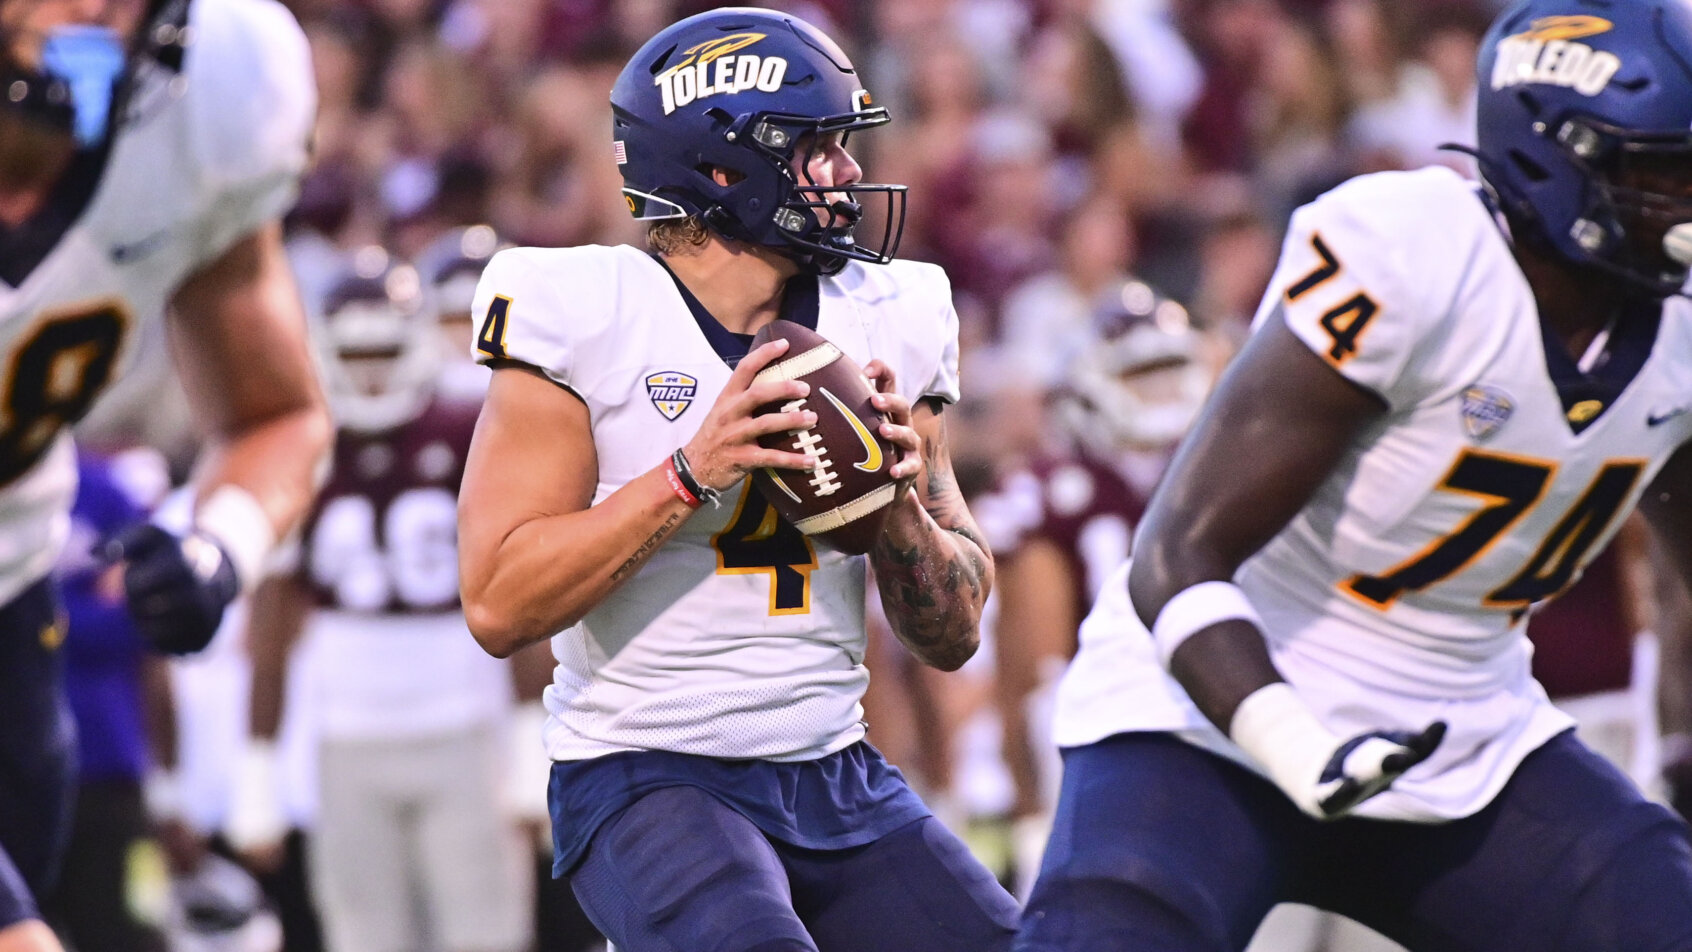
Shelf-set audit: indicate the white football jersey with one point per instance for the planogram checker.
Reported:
(740, 637)
(1399, 594)
(204, 157)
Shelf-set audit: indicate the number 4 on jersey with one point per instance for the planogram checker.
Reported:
(759, 540)
(490, 340)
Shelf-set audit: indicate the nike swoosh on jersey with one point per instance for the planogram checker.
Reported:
(872, 450)
(1655, 417)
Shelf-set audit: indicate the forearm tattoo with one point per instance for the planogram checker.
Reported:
(651, 545)
(932, 590)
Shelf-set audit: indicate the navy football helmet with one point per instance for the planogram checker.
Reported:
(453, 263)
(380, 359)
(1141, 379)
(82, 75)
(744, 89)
(1585, 132)
(451, 266)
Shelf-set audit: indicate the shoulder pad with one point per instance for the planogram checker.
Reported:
(249, 77)
(1369, 270)
(913, 299)
(540, 305)
(250, 108)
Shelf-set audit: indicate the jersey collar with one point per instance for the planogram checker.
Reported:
(798, 304)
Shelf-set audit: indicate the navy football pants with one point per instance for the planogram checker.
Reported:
(1162, 847)
(37, 752)
(678, 871)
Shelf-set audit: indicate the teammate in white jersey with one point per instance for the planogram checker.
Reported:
(1312, 683)
(147, 153)
(712, 788)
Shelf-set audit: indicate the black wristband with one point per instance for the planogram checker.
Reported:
(685, 473)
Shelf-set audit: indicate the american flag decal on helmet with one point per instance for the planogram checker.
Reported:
(620, 152)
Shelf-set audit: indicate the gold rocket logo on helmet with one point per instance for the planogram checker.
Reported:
(713, 67)
(1546, 53)
(1546, 29)
(721, 46)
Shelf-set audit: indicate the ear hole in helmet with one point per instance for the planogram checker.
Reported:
(1533, 170)
(733, 176)
(658, 64)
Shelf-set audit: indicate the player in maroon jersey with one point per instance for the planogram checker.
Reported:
(411, 713)
(1062, 523)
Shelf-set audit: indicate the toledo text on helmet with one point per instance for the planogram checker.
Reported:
(713, 67)
(1548, 53)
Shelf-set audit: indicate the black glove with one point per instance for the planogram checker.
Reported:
(1368, 763)
(177, 586)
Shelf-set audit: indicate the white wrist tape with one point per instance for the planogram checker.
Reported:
(256, 818)
(1195, 608)
(1277, 729)
(236, 520)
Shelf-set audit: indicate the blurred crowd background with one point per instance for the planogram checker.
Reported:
(1068, 161)
(1051, 147)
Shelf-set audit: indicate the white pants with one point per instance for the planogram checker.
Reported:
(413, 848)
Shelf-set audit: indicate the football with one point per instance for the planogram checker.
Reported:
(844, 500)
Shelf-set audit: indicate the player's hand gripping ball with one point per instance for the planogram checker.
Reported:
(843, 501)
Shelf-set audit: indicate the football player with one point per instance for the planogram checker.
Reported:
(148, 149)
(410, 757)
(711, 787)
(1061, 524)
(1312, 683)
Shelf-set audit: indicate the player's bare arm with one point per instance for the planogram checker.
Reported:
(280, 606)
(257, 821)
(535, 553)
(932, 565)
(1292, 417)
(1036, 624)
(239, 334)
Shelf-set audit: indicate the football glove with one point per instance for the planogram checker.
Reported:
(177, 586)
(1368, 763)
(1323, 775)
(257, 820)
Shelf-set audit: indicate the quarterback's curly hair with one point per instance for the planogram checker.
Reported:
(677, 236)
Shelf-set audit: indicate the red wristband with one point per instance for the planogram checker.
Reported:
(676, 486)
